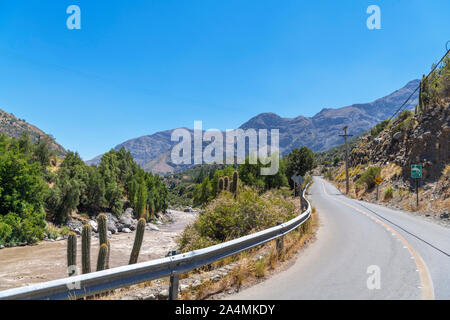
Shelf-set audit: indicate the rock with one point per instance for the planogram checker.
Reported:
(151, 227)
(94, 225)
(126, 230)
(214, 278)
(183, 287)
(126, 219)
(2, 247)
(74, 225)
(444, 215)
(163, 295)
(109, 234)
(398, 135)
(150, 297)
(111, 226)
(197, 283)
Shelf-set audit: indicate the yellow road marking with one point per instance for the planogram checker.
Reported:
(425, 278)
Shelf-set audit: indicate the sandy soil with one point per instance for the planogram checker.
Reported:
(46, 261)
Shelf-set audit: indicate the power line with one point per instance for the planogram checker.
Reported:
(434, 68)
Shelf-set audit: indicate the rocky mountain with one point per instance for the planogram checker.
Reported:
(14, 127)
(318, 133)
(421, 138)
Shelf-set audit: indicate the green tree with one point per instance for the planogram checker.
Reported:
(22, 192)
(203, 192)
(299, 162)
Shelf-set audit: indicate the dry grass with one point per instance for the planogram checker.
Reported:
(446, 171)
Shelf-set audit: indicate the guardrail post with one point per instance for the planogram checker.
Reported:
(280, 243)
(174, 281)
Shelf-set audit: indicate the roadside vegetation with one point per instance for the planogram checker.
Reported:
(227, 218)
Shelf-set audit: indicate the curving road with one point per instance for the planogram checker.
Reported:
(411, 254)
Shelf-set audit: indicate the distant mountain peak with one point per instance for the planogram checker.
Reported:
(319, 133)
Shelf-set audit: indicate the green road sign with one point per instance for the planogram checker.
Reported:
(416, 171)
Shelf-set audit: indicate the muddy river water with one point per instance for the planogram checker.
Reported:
(46, 261)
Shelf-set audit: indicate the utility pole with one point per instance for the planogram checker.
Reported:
(345, 135)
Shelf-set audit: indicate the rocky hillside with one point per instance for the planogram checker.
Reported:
(389, 149)
(411, 139)
(14, 127)
(319, 132)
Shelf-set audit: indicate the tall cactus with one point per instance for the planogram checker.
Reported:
(108, 243)
(86, 249)
(102, 228)
(226, 183)
(220, 185)
(137, 241)
(71, 253)
(235, 184)
(102, 254)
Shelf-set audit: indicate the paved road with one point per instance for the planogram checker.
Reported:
(412, 255)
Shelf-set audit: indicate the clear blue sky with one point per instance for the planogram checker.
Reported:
(138, 67)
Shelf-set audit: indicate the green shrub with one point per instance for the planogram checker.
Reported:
(388, 193)
(404, 121)
(368, 177)
(226, 218)
(378, 128)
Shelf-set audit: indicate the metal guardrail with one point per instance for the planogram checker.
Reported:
(79, 286)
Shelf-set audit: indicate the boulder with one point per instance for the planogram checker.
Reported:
(94, 225)
(151, 227)
(111, 223)
(126, 219)
(163, 295)
(126, 230)
(398, 136)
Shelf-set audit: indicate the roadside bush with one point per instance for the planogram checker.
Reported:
(388, 193)
(404, 120)
(225, 218)
(368, 176)
(378, 128)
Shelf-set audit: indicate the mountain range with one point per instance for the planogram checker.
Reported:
(319, 133)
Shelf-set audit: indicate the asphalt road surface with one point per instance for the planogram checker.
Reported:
(363, 251)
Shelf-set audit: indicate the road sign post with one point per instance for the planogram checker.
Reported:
(416, 173)
(377, 180)
(298, 179)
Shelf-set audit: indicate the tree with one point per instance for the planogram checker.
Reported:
(22, 192)
(203, 192)
(299, 162)
(250, 174)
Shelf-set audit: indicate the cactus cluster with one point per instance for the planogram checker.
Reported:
(102, 228)
(220, 185)
(105, 246)
(234, 188)
(226, 183)
(137, 241)
(71, 252)
(102, 256)
(86, 249)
